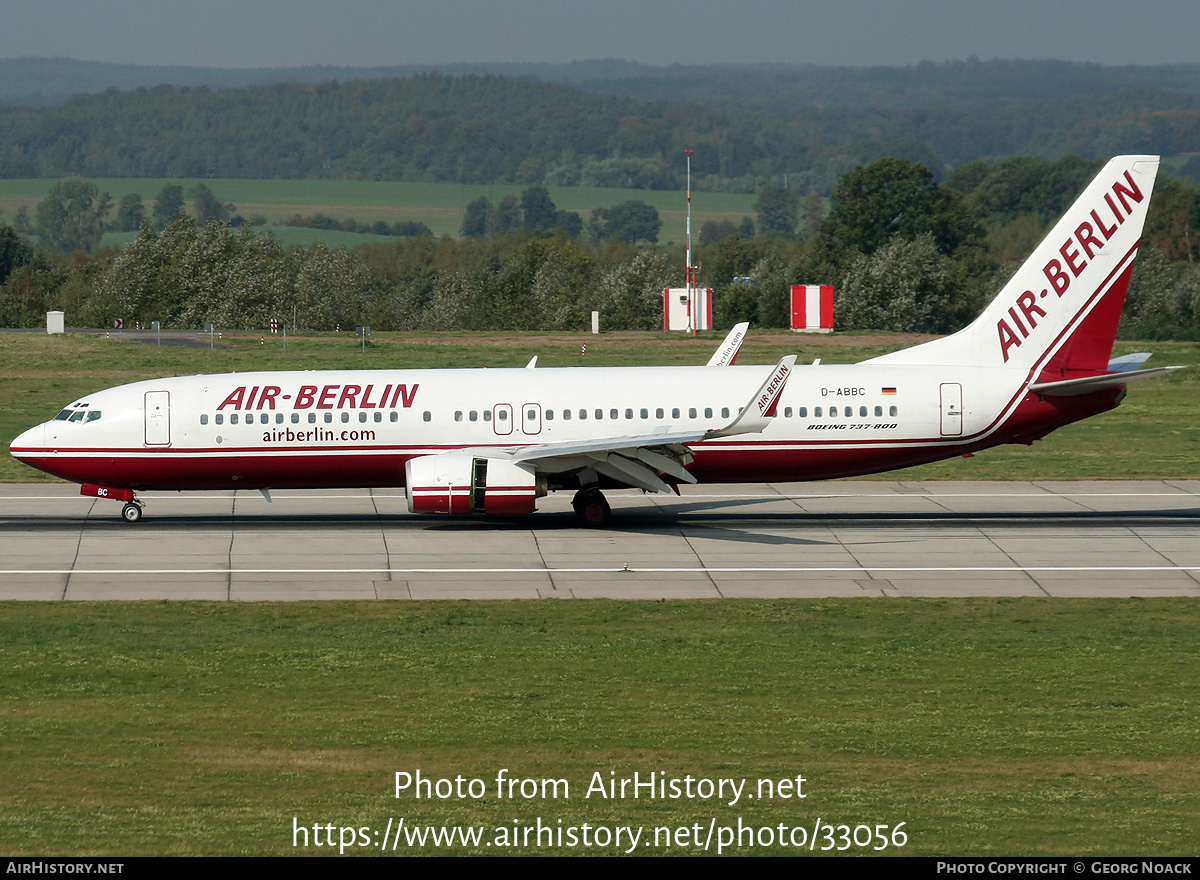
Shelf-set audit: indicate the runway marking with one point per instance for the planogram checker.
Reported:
(775, 496)
(611, 570)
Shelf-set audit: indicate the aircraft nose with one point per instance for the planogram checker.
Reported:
(33, 439)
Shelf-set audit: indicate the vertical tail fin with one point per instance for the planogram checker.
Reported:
(1057, 316)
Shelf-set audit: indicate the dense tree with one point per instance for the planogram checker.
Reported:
(71, 217)
(14, 253)
(506, 218)
(628, 222)
(538, 211)
(813, 215)
(712, 231)
(131, 213)
(477, 219)
(893, 197)
(1164, 298)
(168, 205)
(901, 287)
(207, 206)
(778, 210)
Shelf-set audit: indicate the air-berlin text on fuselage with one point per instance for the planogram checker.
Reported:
(1088, 239)
(322, 397)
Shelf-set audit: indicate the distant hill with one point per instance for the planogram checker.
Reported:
(766, 88)
(594, 123)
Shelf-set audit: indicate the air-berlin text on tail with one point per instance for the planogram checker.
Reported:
(322, 397)
(1088, 239)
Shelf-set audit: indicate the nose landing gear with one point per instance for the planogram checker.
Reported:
(131, 512)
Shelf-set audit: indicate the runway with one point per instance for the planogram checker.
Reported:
(855, 538)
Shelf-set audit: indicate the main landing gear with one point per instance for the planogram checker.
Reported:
(591, 507)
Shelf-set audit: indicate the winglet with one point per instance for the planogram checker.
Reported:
(726, 355)
(757, 414)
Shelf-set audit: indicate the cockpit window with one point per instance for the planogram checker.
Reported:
(63, 416)
(92, 415)
(78, 415)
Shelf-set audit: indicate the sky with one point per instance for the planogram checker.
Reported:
(286, 33)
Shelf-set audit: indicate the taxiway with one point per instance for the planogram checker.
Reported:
(856, 538)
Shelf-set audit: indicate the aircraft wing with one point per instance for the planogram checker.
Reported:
(638, 459)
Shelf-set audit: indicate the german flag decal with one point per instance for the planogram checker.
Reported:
(889, 391)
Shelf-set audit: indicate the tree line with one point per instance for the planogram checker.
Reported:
(904, 252)
(491, 129)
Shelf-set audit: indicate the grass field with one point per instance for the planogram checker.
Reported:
(1003, 727)
(1154, 434)
(439, 205)
(985, 726)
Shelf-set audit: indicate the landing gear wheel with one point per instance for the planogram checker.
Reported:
(131, 512)
(591, 507)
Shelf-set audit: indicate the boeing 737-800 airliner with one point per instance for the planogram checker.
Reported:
(492, 441)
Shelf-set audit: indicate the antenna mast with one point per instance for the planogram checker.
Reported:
(689, 273)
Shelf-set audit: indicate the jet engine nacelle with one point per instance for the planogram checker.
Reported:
(462, 483)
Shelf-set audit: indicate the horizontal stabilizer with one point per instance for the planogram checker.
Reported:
(1076, 387)
(1128, 362)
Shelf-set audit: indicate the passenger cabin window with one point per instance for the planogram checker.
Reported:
(219, 418)
(487, 415)
(892, 410)
(428, 416)
(708, 412)
(458, 415)
(674, 412)
(328, 418)
(582, 414)
(474, 416)
(724, 412)
(787, 412)
(803, 412)
(233, 418)
(691, 412)
(204, 418)
(295, 418)
(567, 414)
(879, 410)
(816, 412)
(345, 417)
(394, 416)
